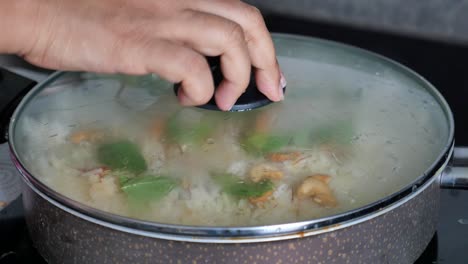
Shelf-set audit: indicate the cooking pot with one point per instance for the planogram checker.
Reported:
(395, 123)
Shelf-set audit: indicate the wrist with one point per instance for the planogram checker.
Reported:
(17, 22)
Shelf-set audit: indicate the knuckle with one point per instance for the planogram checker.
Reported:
(195, 67)
(192, 64)
(254, 17)
(235, 34)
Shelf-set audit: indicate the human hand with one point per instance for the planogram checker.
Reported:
(169, 38)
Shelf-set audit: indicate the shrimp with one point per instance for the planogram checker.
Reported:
(283, 156)
(317, 187)
(265, 171)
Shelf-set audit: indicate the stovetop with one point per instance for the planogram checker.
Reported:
(442, 64)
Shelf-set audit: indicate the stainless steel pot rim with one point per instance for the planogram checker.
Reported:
(248, 233)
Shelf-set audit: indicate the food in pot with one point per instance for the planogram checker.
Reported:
(146, 188)
(317, 188)
(264, 171)
(85, 135)
(261, 199)
(138, 153)
(283, 156)
(162, 176)
(121, 155)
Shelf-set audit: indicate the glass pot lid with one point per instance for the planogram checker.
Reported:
(353, 129)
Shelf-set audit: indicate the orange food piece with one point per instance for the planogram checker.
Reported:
(317, 188)
(100, 172)
(283, 156)
(265, 171)
(85, 135)
(261, 199)
(322, 177)
(157, 128)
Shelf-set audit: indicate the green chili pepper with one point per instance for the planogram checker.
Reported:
(259, 144)
(185, 130)
(121, 155)
(242, 189)
(147, 188)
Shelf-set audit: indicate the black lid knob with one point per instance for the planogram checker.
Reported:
(252, 98)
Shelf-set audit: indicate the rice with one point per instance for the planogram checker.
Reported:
(395, 137)
(203, 203)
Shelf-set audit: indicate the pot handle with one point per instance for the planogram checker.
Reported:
(13, 88)
(455, 176)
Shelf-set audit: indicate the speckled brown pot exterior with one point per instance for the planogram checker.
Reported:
(398, 236)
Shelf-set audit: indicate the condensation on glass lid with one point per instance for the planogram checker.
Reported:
(344, 137)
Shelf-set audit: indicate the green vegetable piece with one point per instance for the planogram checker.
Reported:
(184, 132)
(259, 144)
(148, 188)
(242, 189)
(123, 179)
(122, 155)
(249, 190)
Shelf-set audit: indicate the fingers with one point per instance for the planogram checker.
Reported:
(168, 37)
(213, 35)
(260, 45)
(232, 30)
(173, 62)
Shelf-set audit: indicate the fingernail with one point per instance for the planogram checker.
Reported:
(227, 106)
(226, 96)
(282, 84)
